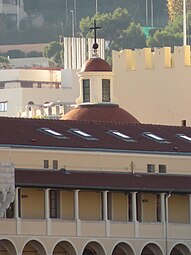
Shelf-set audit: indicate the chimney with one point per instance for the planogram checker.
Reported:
(183, 123)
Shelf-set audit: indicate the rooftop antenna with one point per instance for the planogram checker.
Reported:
(95, 44)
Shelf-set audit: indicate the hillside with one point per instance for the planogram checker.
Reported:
(47, 19)
(55, 10)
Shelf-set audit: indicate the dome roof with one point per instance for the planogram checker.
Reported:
(96, 65)
(100, 112)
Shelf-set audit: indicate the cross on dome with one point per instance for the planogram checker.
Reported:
(95, 45)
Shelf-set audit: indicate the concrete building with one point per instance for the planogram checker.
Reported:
(95, 182)
(30, 92)
(12, 9)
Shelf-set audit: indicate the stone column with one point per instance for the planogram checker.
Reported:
(134, 206)
(134, 214)
(47, 212)
(16, 211)
(76, 212)
(105, 213)
(16, 204)
(162, 203)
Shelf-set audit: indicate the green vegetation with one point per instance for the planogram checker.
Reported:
(4, 62)
(123, 27)
(54, 52)
(117, 29)
(47, 19)
(172, 34)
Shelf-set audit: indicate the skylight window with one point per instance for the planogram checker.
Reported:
(120, 135)
(154, 137)
(52, 133)
(184, 137)
(82, 134)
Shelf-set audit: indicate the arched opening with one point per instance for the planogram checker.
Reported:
(64, 248)
(7, 248)
(93, 248)
(151, 249)
(33, 248)
(180, 249)
(123, 249)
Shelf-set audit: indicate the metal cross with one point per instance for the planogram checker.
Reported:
(95, 30)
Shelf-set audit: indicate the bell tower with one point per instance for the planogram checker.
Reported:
(95, 77)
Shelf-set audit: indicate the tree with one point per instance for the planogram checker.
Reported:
(171, 35)
(132, 37)
(117, 30)
(53, 51)
(175, 7)
(4, 62)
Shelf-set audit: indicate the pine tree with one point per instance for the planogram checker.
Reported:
(175, 7)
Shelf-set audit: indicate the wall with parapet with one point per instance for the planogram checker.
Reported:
(154, 86)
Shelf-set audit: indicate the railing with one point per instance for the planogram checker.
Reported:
(59, 227)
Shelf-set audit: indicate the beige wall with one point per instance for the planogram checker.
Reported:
(179, 208)
(119, 200)
(148, 204)
(89, 205)
(67, 205)
(95, 161)
(32, 203)
(154, 86)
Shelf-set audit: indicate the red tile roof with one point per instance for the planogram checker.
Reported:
(96, 65)
(25, 132)
(103, 180)
(100, 112)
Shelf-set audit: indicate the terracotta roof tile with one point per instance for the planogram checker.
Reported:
(25, 132)
(96, 65)
(100, 112)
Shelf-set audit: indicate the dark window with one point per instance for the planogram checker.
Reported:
(55, 164)
(54, 204)
(158, 198)
(46, 163)
(150, 168)
(102, 206)
(109, 205)
(105, 90)
(130, 207)
(138, 201)
(162, 168)
(86, 90)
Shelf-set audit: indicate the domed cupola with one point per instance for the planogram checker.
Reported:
(96, 101)
(95, 79)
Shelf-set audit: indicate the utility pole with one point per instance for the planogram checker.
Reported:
(74, 18)
(146, 13)
(72, 22)
(184, 22)
(18, 14)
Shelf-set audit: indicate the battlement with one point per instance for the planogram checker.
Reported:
(148, 59)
